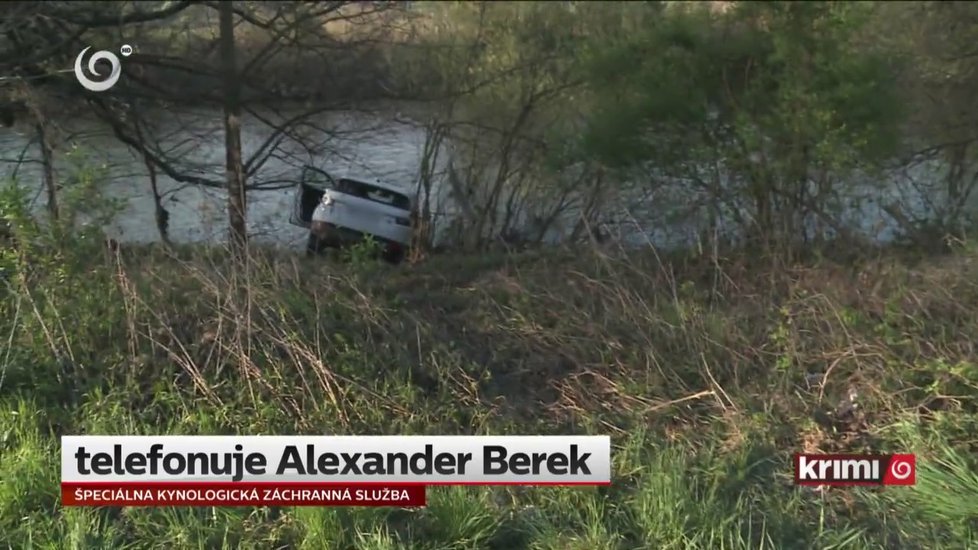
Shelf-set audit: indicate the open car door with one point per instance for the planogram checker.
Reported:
(308, 194)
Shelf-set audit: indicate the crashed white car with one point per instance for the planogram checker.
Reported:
(339, 211)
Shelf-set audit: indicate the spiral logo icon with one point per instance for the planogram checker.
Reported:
(98, 85)
(901, 469)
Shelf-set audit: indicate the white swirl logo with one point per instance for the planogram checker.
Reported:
(103, 55)
(901, 469)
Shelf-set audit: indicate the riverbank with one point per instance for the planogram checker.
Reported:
(707, 375)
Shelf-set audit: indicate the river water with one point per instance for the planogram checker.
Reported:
(368, 144)
(379, 144)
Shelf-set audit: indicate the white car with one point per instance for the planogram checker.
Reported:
(339, 211)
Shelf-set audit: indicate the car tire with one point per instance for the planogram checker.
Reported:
(314, 245)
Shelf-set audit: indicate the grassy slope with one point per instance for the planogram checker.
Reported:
(706, 378)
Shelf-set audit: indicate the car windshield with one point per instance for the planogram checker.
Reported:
(373, 193)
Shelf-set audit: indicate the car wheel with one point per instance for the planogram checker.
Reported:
(314, 245)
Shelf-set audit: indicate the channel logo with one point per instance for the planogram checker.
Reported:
(852, 469)
(105, 82)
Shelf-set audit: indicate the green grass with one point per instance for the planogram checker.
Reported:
(706, 384)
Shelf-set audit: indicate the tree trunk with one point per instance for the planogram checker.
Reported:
(237, 204)
(47, 162)
(162, 215)
(422, 223)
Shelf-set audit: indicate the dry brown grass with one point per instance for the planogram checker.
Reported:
(624, 341)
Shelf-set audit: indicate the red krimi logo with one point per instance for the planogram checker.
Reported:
(892, 469)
